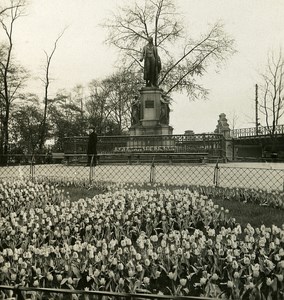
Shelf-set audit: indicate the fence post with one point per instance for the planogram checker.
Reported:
(152, 171)
(216, 176)
(18, 293)
(32, 167)
(92, 165)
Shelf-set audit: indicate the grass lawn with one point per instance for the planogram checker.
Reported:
(254, 214)
(244, 213)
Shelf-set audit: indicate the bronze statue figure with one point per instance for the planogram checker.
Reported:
(165, 110)
(135, 111)
(152, 63)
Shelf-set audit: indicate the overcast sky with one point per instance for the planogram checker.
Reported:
(256, 25)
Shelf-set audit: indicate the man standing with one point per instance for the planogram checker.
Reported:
(152, 63)
(92, 147)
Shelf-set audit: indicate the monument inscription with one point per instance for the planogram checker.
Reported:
(149, 104)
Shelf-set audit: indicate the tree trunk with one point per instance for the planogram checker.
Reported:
(5, 137)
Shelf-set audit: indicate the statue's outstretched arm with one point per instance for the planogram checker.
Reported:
(142, 54)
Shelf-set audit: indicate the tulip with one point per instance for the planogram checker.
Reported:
(235, 265)
(277, 257)
(171, 275)
(22, 272)
(59, 277)
(229, 258)
(49, 277)
(269, 281)
(13, 277)
(139, 268)
(120, 266)
(147, 262)
(146, 280)
(154, 238)
(279, 277)
(121, 281)
(246, 261)
(36, 283)
(183, 281)
(157, 274)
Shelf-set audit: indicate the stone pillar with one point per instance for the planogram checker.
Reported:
(223, 128)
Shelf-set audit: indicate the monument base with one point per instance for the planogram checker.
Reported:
(156, 130)
(154, 120)
(142, 136)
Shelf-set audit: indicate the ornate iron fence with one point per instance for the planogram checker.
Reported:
(252, 131)
(213, 144)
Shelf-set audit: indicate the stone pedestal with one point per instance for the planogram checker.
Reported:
(151, 109)
(153, 120)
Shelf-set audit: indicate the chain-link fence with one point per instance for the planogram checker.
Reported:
(153, 172)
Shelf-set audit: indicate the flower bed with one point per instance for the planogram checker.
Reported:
(162, 241)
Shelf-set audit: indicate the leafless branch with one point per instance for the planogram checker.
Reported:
(272, 99)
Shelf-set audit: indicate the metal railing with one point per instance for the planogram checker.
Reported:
(213, 144)
(252, 131)
(20, 290)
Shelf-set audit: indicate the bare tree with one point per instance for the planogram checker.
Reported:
(271, 98)
(2, 11)
(110, 100)
(97, 105)
(131, 25)
(12, 76)
(122, 90)
(12, 5)
(79, 97)
(46, 81)
(233, 120)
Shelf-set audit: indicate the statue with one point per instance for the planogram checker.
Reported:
(135, 111)
(152, 63)
(165, 109)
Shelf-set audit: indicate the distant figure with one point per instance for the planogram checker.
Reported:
(92, 146)
(152, 63)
